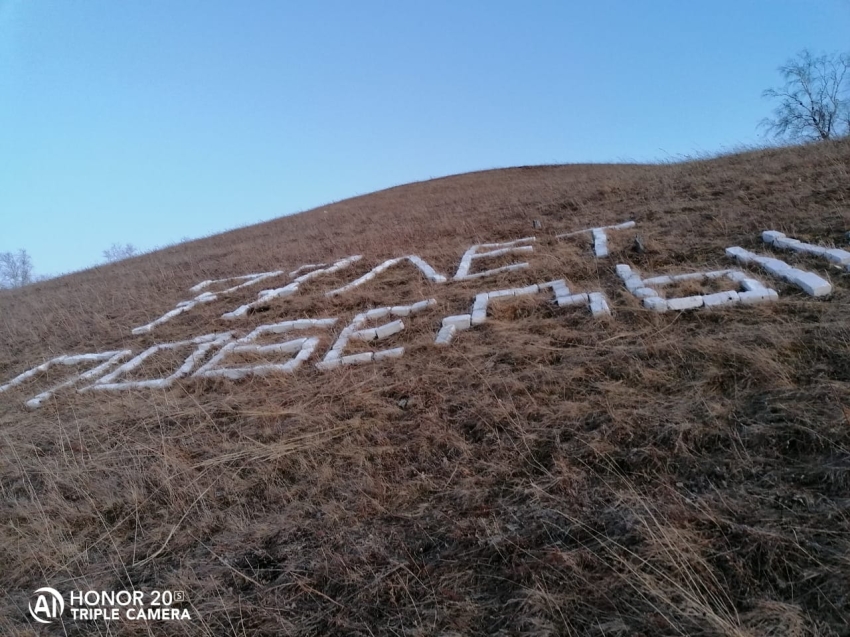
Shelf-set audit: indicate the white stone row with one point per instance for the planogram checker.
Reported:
(493, 250)
(204, 344)
(309, 266)
(303, 348)
(250, 279)
(354, 330)
(779, 240)
(246, 280)
(108, 360)
(646, 290)
(450, 326)
(809, 282)
(376, 333)
(205, 297)
(600, 236)
(264, 296)
(595, 300)
(424, 266)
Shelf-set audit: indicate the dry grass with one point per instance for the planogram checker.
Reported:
(548, 473)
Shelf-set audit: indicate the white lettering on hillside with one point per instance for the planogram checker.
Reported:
(600, 236)
(204, 344)
(751, 290)
(420, 263)
(648, 290)
(833, 255)
(267, 295)
(809, 282)
(301, 347)
(355, 331)
(498, 249)
(108, 358)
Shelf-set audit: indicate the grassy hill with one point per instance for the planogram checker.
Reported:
(548, 473)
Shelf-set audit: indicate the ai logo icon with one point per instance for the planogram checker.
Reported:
(49, 605)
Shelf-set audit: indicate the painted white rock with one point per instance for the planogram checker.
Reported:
(684, 303)
(655, 303)
(446, 334)
(729, 297)
(598, 305)
(758, 296)
(811, 283)
(396, 352)
(459, 321)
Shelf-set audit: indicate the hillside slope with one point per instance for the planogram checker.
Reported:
(548, 472)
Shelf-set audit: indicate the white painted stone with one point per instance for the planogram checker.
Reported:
(531, 289)
(326, 365)
(810, 283)
(459, 321)
(685, 303)
(623, 270)
(446, 334)
(716, 274)
(835, 255)
(420, 306)
(777, 268)
(741, 255)
(768, 236)
(655, 303)
(379, 312)
(658, 280)
(573, 299)
(644, 293)
(598, 305)
(751, 285)
(600, 242)
(388, 329)
(479, 308)
(396, 352)
(559, 287)
(357, 359)
(758, 296)
(633, 282)
(689, 276)
(728, 297)
(368, 334)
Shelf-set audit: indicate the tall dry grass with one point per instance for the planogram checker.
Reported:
(548, 473)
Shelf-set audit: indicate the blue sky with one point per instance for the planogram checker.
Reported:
(147, 121)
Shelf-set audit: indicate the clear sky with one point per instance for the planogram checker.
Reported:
(147, 121)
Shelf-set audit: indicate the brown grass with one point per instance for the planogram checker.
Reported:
(547, 474)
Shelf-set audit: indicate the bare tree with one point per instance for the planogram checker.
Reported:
(813, 103)
(117, 252)
(15, 269)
